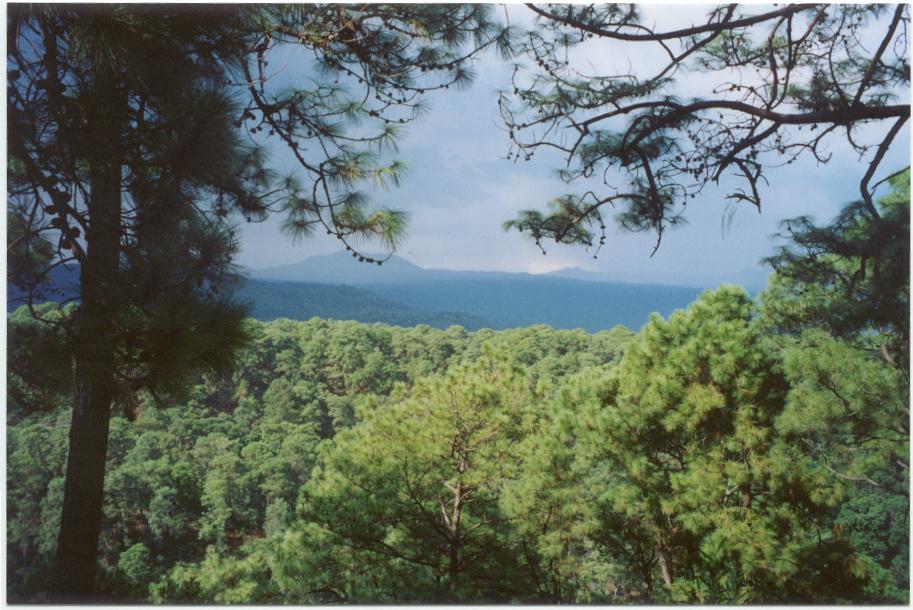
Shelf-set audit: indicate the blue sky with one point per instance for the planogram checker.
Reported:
(460, 189)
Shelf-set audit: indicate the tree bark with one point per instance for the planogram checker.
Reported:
(663, 559)
(94, 380)
(455, 541)
(453, 568)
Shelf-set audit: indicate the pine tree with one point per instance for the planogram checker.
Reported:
(126, 160)
(786, 81)
(411, 494)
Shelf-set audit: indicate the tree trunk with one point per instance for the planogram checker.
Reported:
(94, 382)
(455, 541)
(663, 559)
(746, 497)
(453, 568)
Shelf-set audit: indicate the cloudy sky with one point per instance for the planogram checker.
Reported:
(461, 188)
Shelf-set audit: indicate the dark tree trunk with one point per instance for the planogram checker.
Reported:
(94, 383)
(453, 568)
(663, 559)
(84, 489)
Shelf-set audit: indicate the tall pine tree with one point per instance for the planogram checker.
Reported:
(126, 159)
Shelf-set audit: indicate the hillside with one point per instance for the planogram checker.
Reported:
(559, 303)
(473, 304)
(270, 300)
(337, 287)
(501, 299)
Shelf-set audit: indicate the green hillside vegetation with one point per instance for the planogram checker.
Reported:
(346, 462)
(269, 300)
(473, 300)
(739, 451)
(507, 302)
(217, 471)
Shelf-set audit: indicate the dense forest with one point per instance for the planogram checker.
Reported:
(164, 445)
(740, 451)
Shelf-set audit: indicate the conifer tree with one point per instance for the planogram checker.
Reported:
(126, 159)
(411, 493)
(783, 83)
(669, 479)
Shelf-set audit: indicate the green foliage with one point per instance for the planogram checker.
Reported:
(838, 307)
(668, 480)
(553, 501)
(772, 97)
(848, 408)
(36, 457)
(709, 460)
(877, 522)
(702, 467)
(412, 489)
(136, 566)
(209, 485)
(39, 371)
(852, 277)
(218, 579)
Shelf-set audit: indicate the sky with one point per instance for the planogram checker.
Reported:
(460, 188)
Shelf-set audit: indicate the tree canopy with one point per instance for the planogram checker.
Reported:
(740, 451)
(704, 460)
(782, 83)
(127, 159)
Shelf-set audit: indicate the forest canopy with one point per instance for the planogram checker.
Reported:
(736, 452)
(163, 447)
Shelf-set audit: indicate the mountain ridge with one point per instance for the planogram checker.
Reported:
(273, 299)
(753, 280)
(342, 268)
(338, 287)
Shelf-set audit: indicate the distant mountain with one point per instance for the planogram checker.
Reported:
(585, 300)
(560, 303)
(752, 279)
(401, 293)
(342, 268)
(62, 285)
(301, 301)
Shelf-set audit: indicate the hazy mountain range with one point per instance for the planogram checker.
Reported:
(570, 298)
(343, 268)
(401, 293)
